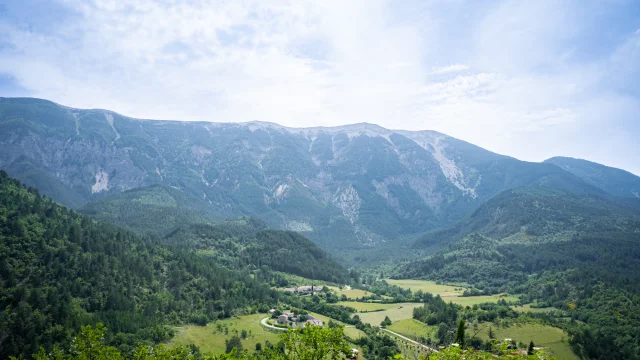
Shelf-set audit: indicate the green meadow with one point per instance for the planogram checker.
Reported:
(472, 300)
(413, 329)
(554, 339)
(366, 307)
(427, 286)
(210, 339)
(353, 294)
(528, 308)
(449, 292)
(399, 312)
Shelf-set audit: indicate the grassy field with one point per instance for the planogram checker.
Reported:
(412, 328)
(547, 336)
(427, 286)
(352, 294)
(448, 292)
(209, 339)
(528, 308)
(354, 333)
(398, 312)
(472, 300)
(365, 307)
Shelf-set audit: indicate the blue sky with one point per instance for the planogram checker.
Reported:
(530, 79)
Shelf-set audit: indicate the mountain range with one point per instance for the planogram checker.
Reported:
(212, 217)
(348, 187)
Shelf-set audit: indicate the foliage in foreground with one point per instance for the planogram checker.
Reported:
(312, 343)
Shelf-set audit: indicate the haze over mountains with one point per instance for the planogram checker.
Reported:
(365, 183)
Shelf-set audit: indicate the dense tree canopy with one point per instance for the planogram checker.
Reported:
(60, 270)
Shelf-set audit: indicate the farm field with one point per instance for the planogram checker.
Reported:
(528, 308)
(542, 335)
(427, 286)
(210, 339)
(401, 311)
(472, 300)
(353, 294)
(448, 292)
(354, 333)
(412, 328)
(362, 306)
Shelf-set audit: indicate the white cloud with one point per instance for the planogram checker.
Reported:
(506, 77)
(448, 69)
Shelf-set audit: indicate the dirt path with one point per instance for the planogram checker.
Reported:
(409, 340)
(264, 323)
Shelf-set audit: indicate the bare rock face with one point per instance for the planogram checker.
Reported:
(353, 185)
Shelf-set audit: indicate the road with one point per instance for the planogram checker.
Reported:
(409, 340)
(264, 323)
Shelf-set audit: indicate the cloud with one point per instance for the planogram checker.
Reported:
(449, 69)
(528, 79)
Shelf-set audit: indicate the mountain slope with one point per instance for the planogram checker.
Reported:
(344, 187)
(576, 253)
(247, 242)
(61, 270)
(534, 215)
(154, 210)
(614, 181)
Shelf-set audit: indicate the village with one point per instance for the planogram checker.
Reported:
(292, 320)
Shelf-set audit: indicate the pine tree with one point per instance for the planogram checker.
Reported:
(386, 322)
(233, 343)
(460, 334)
(530, 350)
(491, 334)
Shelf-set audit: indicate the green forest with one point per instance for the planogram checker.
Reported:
(61, 270)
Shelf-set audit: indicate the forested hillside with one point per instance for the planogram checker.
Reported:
(60, 270)
(246, 242)
(580, 254)
(154, 210)
(537, 215)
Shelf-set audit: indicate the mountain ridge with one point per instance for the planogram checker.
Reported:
(344, 187)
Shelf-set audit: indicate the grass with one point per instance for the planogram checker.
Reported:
(354, 333)
(399, 312)
(353, 294)
(209, 339)
(448, 292)
(528, 308)
(427, 286)
(542, 335)
(412, 328)
(366, 307)
(472, 300)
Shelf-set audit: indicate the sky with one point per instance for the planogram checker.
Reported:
(529, 79)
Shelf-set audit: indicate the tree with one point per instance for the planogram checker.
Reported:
(90, 344)
(233, 343)
(460, 334)
(442, 332)
(491, 334)
(315, 343)
(243, 334)
(530, 350)
(276, 314)
(258, 347)
(386, 322)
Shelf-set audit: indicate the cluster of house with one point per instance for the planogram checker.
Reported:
(287, 317)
